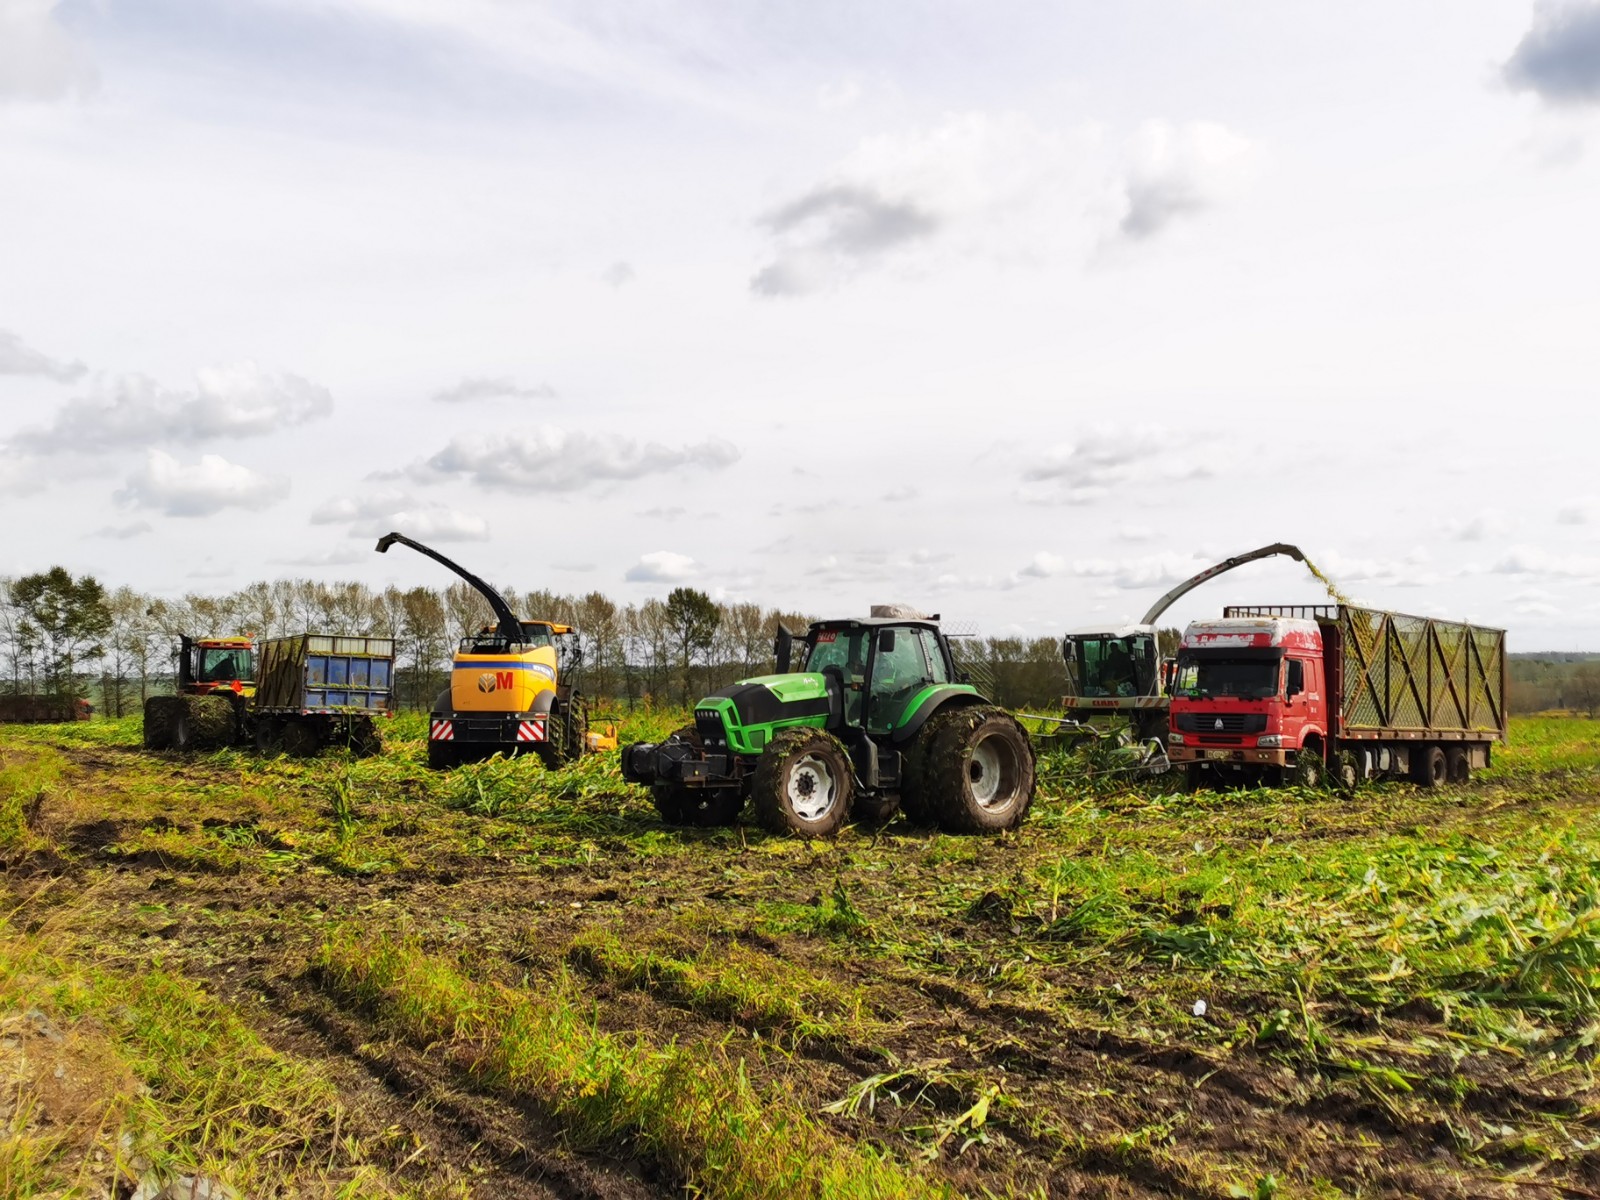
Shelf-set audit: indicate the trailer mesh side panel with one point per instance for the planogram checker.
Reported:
(1406, 674)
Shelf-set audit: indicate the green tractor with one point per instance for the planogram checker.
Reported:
(874, 719)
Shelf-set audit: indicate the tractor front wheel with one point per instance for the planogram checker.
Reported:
(978, 774)
(803, 784)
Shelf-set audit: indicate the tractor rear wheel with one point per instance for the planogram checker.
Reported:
(158, 721)
(978, 771)
(803, 784)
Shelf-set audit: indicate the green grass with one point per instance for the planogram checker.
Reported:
(166, 1080)
(25, 780)
(687, 1107)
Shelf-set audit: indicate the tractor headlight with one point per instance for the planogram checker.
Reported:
(1270, 741)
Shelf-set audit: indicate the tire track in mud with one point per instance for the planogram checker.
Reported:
(524, 1151)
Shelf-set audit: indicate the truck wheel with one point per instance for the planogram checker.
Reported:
(978, 771)
(1456, 764)
(1346, 774)
(1194, 777)
(158, 721)
(803, 784)
(1428, 767)
(875, 809)
(1308, 768)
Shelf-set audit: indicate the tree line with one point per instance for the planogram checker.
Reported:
(62, 635)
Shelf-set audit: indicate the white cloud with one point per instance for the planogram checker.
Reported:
(1580, 510)
(662, 566)
(38, 58)
(1490, 523)
(618, 273)
(342, 556)
(240, 400)
(123, 532)
(553, 460)
(498, 388)
(1531, 560)
(209, 486)
(18, 358)
(1135, 533)
(436, 524)
(368, 507)
(1044, 565)
(1178, 171)
(1140, 571)
(1558, 59)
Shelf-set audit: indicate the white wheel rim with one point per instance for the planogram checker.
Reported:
(812, 788)
(986, 773)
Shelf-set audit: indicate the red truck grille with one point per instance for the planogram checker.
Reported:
(1221, 741)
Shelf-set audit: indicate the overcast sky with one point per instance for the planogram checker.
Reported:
(1016, 312)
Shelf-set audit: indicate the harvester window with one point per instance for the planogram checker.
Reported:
(1111, 666)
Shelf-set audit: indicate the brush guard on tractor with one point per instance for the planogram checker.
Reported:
(678, 762)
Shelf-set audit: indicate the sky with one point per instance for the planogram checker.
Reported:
(1019, 313)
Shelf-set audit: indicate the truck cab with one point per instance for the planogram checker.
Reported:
(1250, 701)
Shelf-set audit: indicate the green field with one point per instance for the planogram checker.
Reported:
(344, 977)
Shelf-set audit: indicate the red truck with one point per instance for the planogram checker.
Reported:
(1292, 693)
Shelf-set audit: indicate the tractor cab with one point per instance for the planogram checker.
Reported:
(208, 665)
(878, 665)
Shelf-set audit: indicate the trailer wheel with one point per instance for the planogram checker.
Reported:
(301, 739)
(1428, 766)
(1456, 764)
(158, 721)
(365, 740)
(803, 784)
(979, 770)
(269, 736)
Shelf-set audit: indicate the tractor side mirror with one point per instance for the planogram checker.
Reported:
(782, 648)
(886, 642)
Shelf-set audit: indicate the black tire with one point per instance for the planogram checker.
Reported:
(1308, 771)
(158, 712)
(978, 772)
(269, 736)
(1457, 766)
(301, 739)
(803, 784)
(442, 755)
(180, 728)
(365, 740)
(1345, 772)
(875, 809)
(1194, 777)
(1428, 766)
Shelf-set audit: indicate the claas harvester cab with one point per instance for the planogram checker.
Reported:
(864, 717)
(513, 687)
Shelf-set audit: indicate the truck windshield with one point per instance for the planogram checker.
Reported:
(1252, 678)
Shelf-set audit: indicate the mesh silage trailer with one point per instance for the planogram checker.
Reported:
(1403, 685)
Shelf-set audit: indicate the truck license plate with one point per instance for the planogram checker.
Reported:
(1224, 754)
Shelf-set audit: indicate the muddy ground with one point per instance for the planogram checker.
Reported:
(891, 982)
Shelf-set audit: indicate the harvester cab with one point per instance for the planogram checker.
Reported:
(1119, 671)
(865, 716)
(513, 686)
